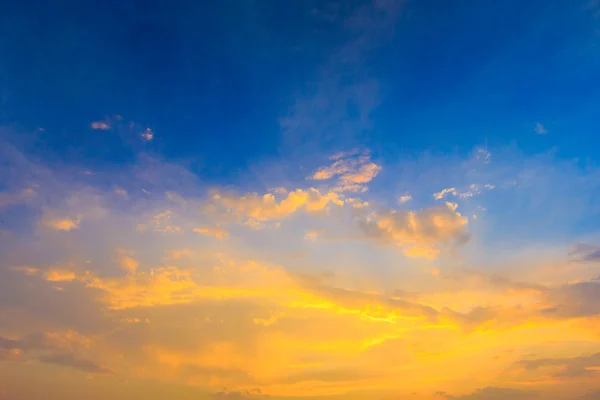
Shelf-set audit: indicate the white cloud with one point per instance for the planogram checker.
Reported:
(405, 199)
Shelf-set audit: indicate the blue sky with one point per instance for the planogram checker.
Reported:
(300, 200)
(445, 77)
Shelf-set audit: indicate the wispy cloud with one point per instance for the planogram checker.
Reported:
(540, 129)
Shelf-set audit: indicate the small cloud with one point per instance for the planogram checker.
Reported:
(405, 199)
(279, 190)
(216, 232)
(63, 224)
(440, 195)
(177, 254)
(129, 264)
(121, 192)
(148, 135)
(60, 275)
(100, 125)
(312, 234)
(540, 129)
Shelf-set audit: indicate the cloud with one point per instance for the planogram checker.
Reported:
(573, 300)
(540, 129)
(62, 224)
(100, 125)
(352, 172)
(7, 198)
(69, 360)
(254, 209)
(60, 275)
(586, 253)
(594, 395)
(443, 193)
(57, 348)
(164, 304)
(405, 199)
(418, 233)
(214, 231)
(492, 393)
(147, 135)
(128, 263)
(574, 367)
(312, 234)
(237, 395)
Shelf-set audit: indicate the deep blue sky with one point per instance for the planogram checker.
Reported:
(213, 79)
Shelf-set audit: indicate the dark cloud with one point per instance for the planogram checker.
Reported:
(8, 344)
(574, 367)
(69, 360)
(42, 348)
(491, 393)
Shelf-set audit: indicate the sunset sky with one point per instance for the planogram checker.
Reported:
(300, 200)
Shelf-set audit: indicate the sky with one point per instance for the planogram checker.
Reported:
(300, 200)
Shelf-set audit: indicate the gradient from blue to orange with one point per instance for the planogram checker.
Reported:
(372, 199)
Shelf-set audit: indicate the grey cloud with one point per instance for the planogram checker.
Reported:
(491, 393)
(574, 300)
(595, 395)
(570, 367)
(69, 360)
(585, 253)
(8, 344)
(51, 353)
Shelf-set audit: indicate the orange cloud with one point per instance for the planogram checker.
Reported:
(215, 231)
(351, 172)
(418, 234)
